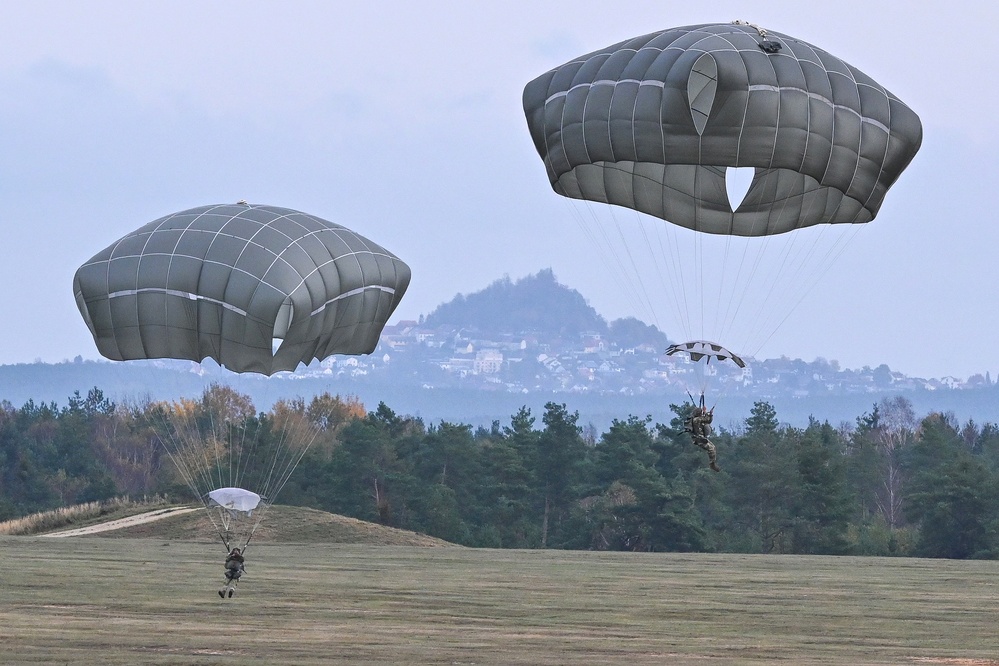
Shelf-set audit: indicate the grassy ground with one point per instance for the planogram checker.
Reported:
(153, 601)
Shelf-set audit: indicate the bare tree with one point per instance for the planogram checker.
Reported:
(895, 430)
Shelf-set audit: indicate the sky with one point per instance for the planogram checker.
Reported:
(404, 122)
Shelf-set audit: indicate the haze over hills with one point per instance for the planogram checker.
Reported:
(479, 357)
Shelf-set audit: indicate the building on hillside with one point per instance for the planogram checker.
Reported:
(488, 361)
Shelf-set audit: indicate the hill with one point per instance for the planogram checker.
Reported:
(537, 303)
(541, 305)
(283, 524)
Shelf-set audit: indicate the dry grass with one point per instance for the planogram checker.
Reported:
(152, 601)
(79, 515)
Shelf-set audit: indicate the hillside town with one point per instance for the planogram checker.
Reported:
(591, 362)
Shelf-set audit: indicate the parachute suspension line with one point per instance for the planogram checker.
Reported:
(243, 449)
(670, 258)
(220, 524)
(675, 279)
(674, 265)
(606, 251)
(740, 285)
(247, 451)
(256, 454)
(788, 267)
(183, 468)
(606, 234)
(796, 273)
(191, 446)
(663, 285)
(699, 241)
(741, 282)
(718, 317)
(176, 433)
(744, 280)
(222, 537)
(732, 281)
(827, 262)
(216, 443)
(699, 267)
(263, 509)
(786, 247)
(678, 277)
(295, 456)
(753, 263)
(792, 281)
(641, 292)
(296, 435)
(268, 483)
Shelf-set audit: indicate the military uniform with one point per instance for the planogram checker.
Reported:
(699, 425)
(234, 568)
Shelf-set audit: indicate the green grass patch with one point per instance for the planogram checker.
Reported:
(153, 601)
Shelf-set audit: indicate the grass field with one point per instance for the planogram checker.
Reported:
(89, 600)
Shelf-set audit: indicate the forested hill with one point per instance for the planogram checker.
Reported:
(538, 304)
(535, 303)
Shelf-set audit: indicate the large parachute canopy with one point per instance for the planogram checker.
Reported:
(653, 124)
(257, 288)
(660, 126)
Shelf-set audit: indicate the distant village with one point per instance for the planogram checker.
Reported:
(447, 357)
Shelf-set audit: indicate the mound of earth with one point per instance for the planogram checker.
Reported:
(283, 524)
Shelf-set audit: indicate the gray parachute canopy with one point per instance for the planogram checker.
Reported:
(653, 123)
(229, 281)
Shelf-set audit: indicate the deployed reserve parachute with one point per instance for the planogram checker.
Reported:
(654, 122)
(702, 349)
(256, 288)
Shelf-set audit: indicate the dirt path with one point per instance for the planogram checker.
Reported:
(139, 519)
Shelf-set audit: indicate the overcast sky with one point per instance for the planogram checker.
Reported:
(403, 121)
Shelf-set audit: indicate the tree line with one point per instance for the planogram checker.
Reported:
(891, 484)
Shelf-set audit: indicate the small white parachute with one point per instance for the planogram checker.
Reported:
(698, 349)
(231, 510)
(234, 499)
